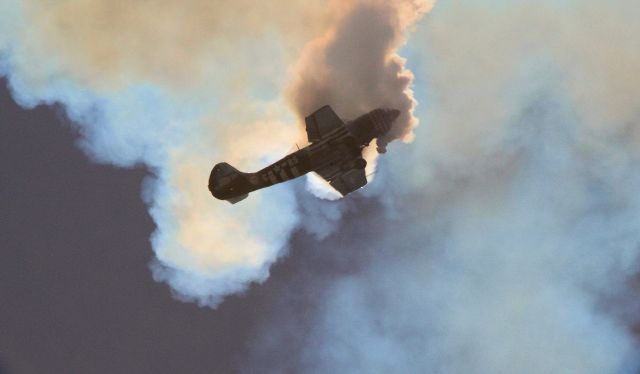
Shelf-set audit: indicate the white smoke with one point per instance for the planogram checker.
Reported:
(178, 87)
(505, 239)
(500, 242)
(355, 68)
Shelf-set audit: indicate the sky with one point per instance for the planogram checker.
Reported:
(499, 233)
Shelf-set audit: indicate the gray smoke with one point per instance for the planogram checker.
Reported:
(355, 67)
(505, 239)
(178, 87)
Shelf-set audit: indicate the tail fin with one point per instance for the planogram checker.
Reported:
(223, 169)
(227, 183)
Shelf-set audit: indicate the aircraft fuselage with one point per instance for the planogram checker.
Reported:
(335, 153)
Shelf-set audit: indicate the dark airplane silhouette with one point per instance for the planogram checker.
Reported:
(335, 153)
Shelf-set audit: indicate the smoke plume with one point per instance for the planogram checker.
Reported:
(354, 66)
(179, 87)
(505, 239)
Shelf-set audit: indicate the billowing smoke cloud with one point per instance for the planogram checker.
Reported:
(506, 238)
(178, 87)
(355, 67)
(503, 240)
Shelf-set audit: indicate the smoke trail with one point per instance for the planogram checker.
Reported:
(178, 87)
(506, 239)
(354, 67)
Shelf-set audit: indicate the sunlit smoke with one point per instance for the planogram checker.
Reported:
(355, 67)
(500, 241)
(179, 87)
(505, 239)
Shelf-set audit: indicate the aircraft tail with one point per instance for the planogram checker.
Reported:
(237, 199)
(227, 183)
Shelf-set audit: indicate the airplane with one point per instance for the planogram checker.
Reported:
(334, 152)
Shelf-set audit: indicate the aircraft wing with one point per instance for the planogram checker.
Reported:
(322, 122)
(349, 181)
(344, 182)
